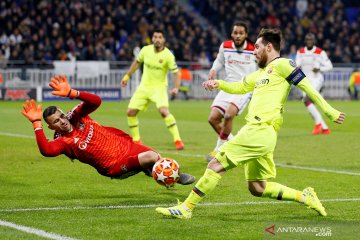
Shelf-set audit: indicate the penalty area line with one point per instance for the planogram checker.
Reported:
(35, 231)
(216, 204)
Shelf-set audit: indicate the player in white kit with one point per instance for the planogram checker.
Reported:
(236, 56)
(313, 61)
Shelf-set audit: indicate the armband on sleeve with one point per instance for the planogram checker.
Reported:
(296, 76)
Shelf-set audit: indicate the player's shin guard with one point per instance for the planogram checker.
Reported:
(133, 123)
(203, 187)
(171, 124)
(280, 192)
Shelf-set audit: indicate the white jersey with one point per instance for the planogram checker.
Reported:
(307, 60)
(237, 62)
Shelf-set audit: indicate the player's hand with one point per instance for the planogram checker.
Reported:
(125, 80)
(212, 74)
(341, 118)
(174, 91)
(210, 85)
(62, 87)
(33, 113)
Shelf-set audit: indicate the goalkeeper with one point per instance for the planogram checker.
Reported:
(254, 144)
(109, 150)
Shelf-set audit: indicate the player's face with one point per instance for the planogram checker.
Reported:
(309, 42)
(158, 40)
(59, 122)
(260, 53)
(238, 35)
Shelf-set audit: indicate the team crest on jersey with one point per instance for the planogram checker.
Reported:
(124, 168)
(81, 126)
(292, 63)
(161, 61)
(270, 70)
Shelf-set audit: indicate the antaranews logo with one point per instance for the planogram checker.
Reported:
(284, 229)
(271, 230)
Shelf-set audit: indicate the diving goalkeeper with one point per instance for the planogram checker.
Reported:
(109, 150)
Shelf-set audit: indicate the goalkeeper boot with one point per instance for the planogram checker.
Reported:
(186, 179)
(210, 156)
(177, 211)
(179, 145)
(312, 201)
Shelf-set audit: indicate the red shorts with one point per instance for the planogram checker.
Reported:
(129, 165)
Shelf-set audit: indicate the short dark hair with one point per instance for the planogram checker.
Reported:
(158, 30)
(271, 35)
(241, 24)
(49, 111)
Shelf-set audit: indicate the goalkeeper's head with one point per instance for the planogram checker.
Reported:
(56, 119)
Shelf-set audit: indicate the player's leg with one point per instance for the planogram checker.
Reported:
(258, 171)
(203, 187)
(172, 127)
(138, 102)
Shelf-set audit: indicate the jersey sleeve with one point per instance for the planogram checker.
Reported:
(325, 64)
(172, 63)
(288, 70)
(49, 149)
(90, 103)
(140, 57)
(298, 59)
(315, 96)
(220, 59)
(246, 84)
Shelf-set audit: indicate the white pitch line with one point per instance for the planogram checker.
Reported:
(168, 205)
(201, 156)
(15, 135)
(278, 164)
(35, 231)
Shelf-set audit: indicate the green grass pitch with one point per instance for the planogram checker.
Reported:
(71, 199)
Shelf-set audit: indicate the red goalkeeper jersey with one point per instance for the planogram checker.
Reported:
(106, 149)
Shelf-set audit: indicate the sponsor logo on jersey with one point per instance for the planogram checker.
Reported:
(83, 144)
(292, 63)
(262, 82)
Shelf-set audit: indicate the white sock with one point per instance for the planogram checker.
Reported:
(220, 142)
(315, 114)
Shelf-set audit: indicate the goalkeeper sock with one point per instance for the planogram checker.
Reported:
(203, 187)
(133, 123)
(280, 192)
(171, 124)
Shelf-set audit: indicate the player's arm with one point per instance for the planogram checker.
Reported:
(217, 64)
(175, 71)
(246, 85)
(133, 67)
(62, 88)
(34, 114)
(325, 64)
(333, 114)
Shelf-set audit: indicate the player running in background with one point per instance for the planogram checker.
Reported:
(236, 56)
(313, 61)
(254, 144)
(157, 60)
(111, 151)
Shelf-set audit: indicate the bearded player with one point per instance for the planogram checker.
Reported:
(237, 57)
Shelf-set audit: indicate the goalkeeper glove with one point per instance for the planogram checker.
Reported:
(62, 87)
(33, 113)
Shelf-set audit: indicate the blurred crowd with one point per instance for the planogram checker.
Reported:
(43, 31)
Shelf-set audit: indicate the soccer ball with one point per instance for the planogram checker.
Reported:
(166, 172)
